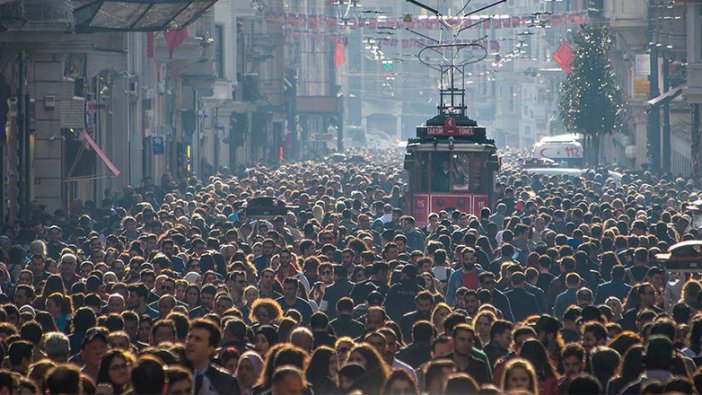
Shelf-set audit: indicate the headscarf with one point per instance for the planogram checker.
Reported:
(257, 364)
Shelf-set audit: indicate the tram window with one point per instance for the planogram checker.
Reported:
(421, 173)
(467, 170)
(440, 175)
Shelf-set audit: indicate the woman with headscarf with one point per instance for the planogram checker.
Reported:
(248, 370)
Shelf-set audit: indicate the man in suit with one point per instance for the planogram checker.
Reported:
(523, 303)
(200, 345)
(616, 287)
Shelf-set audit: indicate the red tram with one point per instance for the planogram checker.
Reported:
(451, 165)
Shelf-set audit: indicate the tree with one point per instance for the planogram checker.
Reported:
(591, 100)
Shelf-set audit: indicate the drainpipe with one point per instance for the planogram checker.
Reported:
(695, 137)
(666, 117)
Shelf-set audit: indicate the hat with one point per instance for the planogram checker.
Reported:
(192, 277)
(28, 309)
(92, 334)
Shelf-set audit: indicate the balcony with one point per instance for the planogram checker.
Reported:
(629, 19)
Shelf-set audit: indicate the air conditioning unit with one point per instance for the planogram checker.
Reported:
(133, 87)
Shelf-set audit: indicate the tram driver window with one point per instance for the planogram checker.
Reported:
(441, 169)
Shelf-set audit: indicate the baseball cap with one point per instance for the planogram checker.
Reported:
(94, 333)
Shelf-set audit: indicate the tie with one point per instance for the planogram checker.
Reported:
(198, 383)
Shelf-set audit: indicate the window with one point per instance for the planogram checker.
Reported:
(219, 51)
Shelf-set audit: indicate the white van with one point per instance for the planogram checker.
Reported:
(565, 150)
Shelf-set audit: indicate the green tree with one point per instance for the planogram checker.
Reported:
(591, 100)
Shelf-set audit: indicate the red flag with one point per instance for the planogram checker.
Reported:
(339, 56)
(174, 38)
(564, 57)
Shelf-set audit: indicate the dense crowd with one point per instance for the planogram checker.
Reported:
(173, 288)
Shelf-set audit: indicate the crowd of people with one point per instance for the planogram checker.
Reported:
(174, 288)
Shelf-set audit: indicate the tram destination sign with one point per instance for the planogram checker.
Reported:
(449, 128)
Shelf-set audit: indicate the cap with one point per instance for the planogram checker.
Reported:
(28, 309)
(94, 333)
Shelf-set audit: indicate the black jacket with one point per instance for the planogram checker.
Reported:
(415, 354)
(408, 320)
(523, 303)
(221, 381)
(333, 293)
(477, 369)
(400, 299)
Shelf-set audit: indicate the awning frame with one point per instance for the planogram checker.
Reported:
(94, 7)
(665, 97)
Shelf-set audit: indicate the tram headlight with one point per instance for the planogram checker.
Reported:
(451, 143)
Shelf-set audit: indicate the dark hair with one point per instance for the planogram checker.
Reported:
(104, 371)
(317, 369)
(584, 384)
(398, 375)
(500, 326)
(148, 376)
(460, 384)
(604, 362)
(211, 327)
(632, 364)
(20, 350)
(63, 379)
(31, 331)
(533, 351)
(597, 329)
(573, 350)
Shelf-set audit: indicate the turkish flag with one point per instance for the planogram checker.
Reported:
(174, 38)
(564, 57)
(339, 56)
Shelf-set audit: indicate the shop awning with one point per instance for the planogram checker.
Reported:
(136, 15)
(666, 97)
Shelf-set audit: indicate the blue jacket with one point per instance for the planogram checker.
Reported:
(455, 282)
(617, 288)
